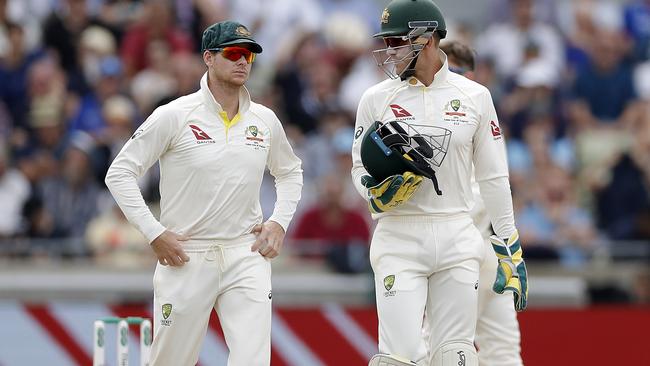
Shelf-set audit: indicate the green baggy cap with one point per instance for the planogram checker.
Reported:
(227, 33)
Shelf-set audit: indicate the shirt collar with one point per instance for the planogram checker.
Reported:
(438, 79)
(244, 97)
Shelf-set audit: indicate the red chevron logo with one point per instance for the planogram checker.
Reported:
(199, 134)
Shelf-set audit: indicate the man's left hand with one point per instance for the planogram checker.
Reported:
(270, 236)
(511, 273)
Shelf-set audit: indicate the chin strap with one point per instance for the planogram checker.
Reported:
(410, 70)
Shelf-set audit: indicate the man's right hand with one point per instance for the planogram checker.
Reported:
(169, 250)
(391, 192)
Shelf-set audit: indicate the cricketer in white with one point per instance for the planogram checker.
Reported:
(213, 248)
(210, 174)
(426, 250)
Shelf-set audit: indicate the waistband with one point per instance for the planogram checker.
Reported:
(415, 219)
(204, 245)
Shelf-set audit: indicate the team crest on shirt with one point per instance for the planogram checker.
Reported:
(255, 137)
(166, 312)
(455, 112)
(389, 282)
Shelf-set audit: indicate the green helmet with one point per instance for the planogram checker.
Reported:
(406, 27)
(394, 147)
(401, 17)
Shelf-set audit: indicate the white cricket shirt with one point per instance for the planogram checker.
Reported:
(211, 168)
(461, 113)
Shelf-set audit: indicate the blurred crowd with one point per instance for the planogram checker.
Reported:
(570, 79)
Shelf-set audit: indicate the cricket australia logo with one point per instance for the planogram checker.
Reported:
(166, 312)
(242, 31)
(455, 104)
(384, 16)
(455, 112)
(255, 137)
(389, 281)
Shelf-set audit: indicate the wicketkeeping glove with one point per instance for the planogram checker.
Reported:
(511, 273)
(391, 192)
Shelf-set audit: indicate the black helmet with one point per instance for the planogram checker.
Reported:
(395, 147)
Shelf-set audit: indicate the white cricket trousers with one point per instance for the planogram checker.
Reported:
(497, 329)
(425, 262)
(226, 277)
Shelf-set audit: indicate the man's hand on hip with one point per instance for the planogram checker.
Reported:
(270, 236)
(511, 273)
(169, 250)
(391, 192)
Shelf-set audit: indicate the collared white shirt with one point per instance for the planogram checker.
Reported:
(457, 109)
(211, 168)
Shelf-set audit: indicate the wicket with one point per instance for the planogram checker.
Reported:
(99, 349)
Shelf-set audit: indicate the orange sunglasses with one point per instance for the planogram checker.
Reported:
(234, 53)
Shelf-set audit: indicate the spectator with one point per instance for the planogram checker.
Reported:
(624, 202)
(156, 82)
(62, 32)
(521, 40)
(637, 18)
(539, 147)
(88, 116)
(554, 220)
(115, 242)
(294, 82)
(14, 192)
(604, 88)
(156, 24)
(14, 69)
(271, 21)
(71, 197)
(341, 234)
(533, 96)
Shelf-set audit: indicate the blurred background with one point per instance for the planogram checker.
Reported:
(571, 83)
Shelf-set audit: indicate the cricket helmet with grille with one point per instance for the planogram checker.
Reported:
(394, 147)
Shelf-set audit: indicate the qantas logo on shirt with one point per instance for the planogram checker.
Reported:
(201, 136)
(399, 111)
(496, 130)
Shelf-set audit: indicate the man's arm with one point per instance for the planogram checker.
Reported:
(365, 119)
(285, 167)
(491, 168)
(392, 191)
(143, 149)
(138, 154)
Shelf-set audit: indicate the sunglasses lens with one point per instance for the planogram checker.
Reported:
(235, 53)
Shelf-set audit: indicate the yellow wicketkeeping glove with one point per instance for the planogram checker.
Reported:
(391, 192)
(511, 273)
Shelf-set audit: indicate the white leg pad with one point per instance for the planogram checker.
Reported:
(389, 360)
(455, 354)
